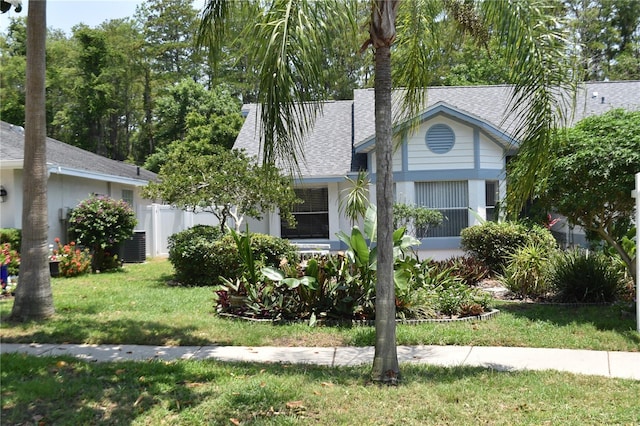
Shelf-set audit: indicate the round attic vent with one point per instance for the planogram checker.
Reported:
(440, 138)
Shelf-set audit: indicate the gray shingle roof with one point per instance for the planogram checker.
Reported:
(489, 103)
(60, 154)
(328, 146)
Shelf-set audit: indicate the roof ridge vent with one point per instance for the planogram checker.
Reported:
(17, 129)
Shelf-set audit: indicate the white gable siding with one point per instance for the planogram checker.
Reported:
(461, 156)
(397, 159)
(491, 155)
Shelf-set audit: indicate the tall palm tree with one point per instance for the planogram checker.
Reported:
(34, 299)
(286, 38)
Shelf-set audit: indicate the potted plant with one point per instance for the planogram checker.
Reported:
(54, 260)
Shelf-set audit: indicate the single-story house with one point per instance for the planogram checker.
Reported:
(74, 174)
(455, 162)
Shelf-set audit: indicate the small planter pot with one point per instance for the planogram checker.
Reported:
(4, 275)
(54, 268)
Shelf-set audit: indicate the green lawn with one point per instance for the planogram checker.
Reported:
(137, 306)
(65, 391)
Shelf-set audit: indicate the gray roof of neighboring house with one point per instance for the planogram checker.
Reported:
(71, 158)
(343, 123)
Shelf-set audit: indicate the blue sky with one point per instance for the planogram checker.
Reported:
(64, 14)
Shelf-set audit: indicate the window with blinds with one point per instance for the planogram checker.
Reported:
(449, 198)
(127, 196)
(312, 215)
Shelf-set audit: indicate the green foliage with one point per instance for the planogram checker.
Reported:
(416, 219)
(355, 199)
(493, 243)
(190, 253)
(73, 260)
(201, 255)
(192, 119)
(583, 276)
(525, 274)
(362, 251)
(331, 288)
(600, 156)
(12, 236)
(10, 258)
(468, 269)
(101, 223)
(228, 184)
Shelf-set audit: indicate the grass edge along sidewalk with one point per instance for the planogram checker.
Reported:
(65, 390)
(598, 363)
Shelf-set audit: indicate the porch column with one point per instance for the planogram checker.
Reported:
(477, 201)
(273, 223)
(334, 215)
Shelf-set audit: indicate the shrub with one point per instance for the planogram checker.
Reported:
(433, 288)
(583, 276)
(266, 251)
(416, 219)
(200, 256)
(12, 236)
(190, 253)
(325, 288)
(73, 261)
(102, 223)
(525, 274)
(493, 243)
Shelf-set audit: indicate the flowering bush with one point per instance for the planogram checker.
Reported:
(73, 261)
(101, 223)
(10, 258)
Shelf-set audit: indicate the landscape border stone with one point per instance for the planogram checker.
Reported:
(482, 317)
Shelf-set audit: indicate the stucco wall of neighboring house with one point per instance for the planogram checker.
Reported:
(63, 194)
(13, 199)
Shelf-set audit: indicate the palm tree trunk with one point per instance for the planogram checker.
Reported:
(385, 361)
(34, 299)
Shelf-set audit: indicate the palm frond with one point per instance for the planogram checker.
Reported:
(418, 47)
(536, 46)
(213, 25)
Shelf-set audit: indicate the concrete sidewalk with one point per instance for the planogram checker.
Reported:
(598, 363)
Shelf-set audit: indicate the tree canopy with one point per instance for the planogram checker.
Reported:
(106, 84)
(224, 182)
(592, 175)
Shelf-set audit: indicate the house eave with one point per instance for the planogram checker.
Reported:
(67, 171)
(320, 179)
(11, 164)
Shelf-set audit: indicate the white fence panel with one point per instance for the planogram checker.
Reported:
(636, 194)
(160, 221)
